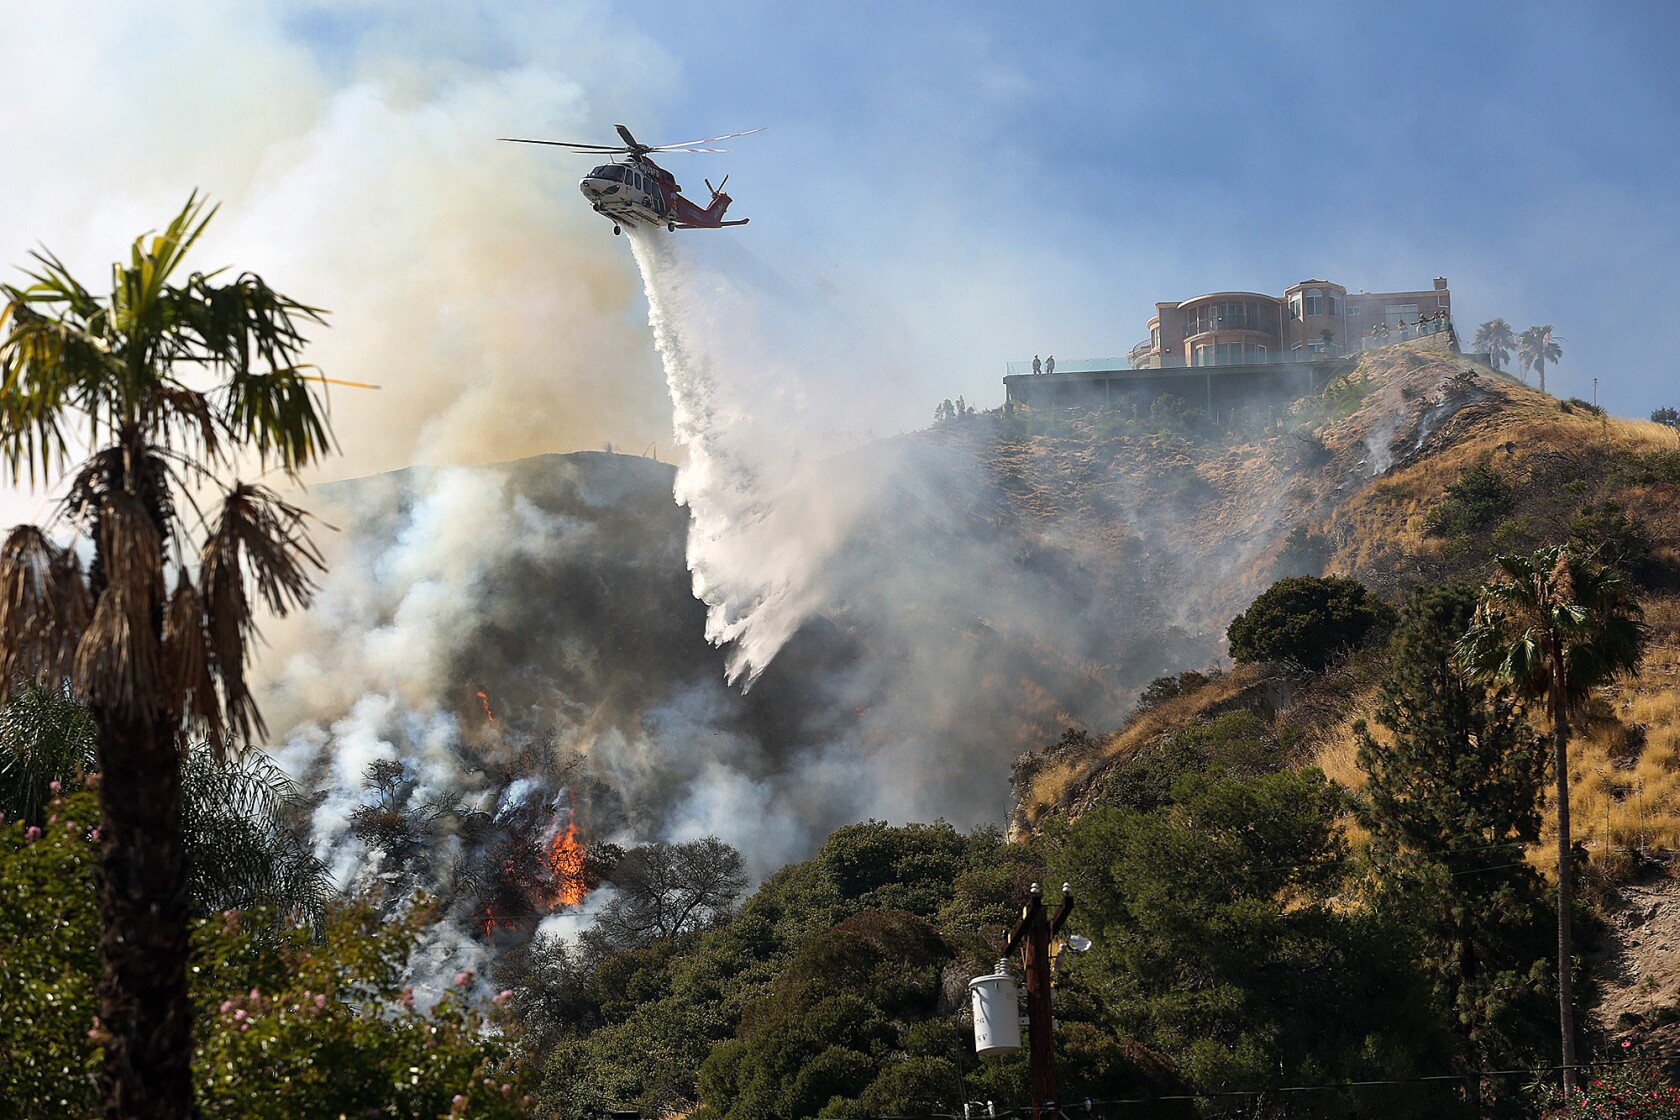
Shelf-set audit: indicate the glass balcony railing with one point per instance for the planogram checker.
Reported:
(1071, 365)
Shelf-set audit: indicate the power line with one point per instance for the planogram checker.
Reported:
(1072, 1109)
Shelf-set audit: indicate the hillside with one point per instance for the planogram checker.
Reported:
(1375, 507)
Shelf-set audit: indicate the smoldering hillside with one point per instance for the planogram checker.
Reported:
(1001, 582)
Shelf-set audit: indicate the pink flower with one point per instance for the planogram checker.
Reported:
(320, 1002)
(53, 819)
(34, 833)
(239, 1016)
(502, 996)
(463, 978)
(227, 1006)
(1626, 1043)
(54, 786)
(255, 994)
(94, 835)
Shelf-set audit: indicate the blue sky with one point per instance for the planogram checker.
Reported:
(940, 187)
(1110, 155)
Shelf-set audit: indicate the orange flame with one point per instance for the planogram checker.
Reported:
(483, 698)
(566, 861)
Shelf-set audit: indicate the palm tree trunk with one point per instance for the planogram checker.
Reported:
(1566, 902)
(1540, 368)
(144, 1006)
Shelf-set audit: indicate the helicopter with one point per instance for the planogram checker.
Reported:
(639, 191)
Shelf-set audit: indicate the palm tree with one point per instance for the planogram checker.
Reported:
(1536, 347)
(166, 381)
(1553, 626)
(1495, 339)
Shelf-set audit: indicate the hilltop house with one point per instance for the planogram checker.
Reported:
(1248, 328)
(1299, 337)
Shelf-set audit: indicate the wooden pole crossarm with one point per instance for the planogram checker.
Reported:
(1012, 940)
(1062, 912)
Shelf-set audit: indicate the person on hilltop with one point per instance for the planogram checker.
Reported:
(1050, 364)
(1038, 366)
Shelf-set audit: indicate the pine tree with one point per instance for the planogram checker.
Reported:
(1453, 799)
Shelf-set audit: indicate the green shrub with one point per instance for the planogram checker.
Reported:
(1304, 553)
(1657, 467)
(286, 1025)
(1162, 689)
(1307, 620)
(1615, 538)
(1475, 504)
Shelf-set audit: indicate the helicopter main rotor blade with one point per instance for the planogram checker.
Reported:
(628, 139)
(707, 140)
(680, 151)
(564, 144)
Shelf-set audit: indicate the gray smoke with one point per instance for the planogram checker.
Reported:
(913, 613)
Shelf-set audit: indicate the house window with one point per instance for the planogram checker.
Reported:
(1154, 338)
(1295, 306)
(1315, 302)
(1396, 313)
(1335, 306)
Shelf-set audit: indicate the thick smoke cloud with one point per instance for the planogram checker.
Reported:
(352, 147)
(911, 612)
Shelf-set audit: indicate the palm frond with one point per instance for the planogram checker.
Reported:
(45, 737)
(49, 367)
(1554, 599)
(44, 609)
(261, 538)
(241, 846)
(130, 546)
(139, 292)
(190, 682)
(277, 412)
(117, 660)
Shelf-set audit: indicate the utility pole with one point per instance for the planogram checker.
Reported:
(1032, 936)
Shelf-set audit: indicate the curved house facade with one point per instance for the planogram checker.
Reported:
(1314, 319)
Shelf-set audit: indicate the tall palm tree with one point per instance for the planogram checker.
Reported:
(1553, 626)
(166, 379)
(1536, 347)
(1494, 338)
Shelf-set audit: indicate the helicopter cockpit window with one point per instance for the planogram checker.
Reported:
(608, 171)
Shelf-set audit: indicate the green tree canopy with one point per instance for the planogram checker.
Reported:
(306, 1026)
(1307, 620)
(1216, 945)
(1452, 801)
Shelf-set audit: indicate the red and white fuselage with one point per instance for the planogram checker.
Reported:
(640, 192)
